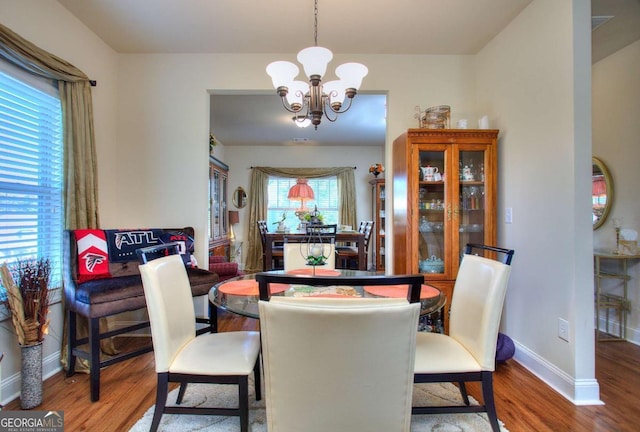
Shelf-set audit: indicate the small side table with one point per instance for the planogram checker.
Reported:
(608, 301)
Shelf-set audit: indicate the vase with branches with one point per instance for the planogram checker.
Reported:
(25, 292)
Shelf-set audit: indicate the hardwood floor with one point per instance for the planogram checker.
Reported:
(524, 403)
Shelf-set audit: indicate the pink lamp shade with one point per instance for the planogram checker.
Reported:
(599, 186)
(301, 191)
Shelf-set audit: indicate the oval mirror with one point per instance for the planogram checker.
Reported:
(239, 197)
(601, 192)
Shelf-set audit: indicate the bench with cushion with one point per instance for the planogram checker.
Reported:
(101, 279)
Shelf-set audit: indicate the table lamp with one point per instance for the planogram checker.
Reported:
(302, 192)
(234, 218)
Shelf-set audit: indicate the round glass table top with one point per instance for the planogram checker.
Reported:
(240, 294)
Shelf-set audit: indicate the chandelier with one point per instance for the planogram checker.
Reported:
(313, 99)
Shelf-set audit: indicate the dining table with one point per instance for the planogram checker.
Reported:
(354, 238)
(240, 295)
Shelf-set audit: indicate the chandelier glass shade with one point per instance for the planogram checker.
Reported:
(302, 122)
(315, 99)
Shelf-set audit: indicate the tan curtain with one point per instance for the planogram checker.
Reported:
(258, 201)
(80, 173)
(81, 189)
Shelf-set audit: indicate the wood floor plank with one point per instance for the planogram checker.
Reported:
(524, 403)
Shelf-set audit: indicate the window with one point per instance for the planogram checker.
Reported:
(31, 169)
(325, 190)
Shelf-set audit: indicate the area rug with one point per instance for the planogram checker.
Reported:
(227, 395)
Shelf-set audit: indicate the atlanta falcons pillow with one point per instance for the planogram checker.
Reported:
(93, 254)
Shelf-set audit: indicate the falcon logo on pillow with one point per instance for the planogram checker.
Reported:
(93, 255)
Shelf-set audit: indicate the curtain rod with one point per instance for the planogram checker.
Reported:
(252, 167)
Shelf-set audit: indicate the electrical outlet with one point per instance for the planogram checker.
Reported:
(508, 215)
(563, 329)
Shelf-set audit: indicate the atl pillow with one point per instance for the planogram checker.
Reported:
(93, 254)
(124, 243)
(186, 244)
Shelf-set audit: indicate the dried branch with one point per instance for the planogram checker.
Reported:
(27, 298)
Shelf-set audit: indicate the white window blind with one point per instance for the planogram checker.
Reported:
(325, 190)
(31, 171)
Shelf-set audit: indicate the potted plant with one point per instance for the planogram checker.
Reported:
(26, 295)
(314, 217)
(213, 141)
(376, 169)
(280, 223)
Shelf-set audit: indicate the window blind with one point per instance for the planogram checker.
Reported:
(326, 198)
(31, 170)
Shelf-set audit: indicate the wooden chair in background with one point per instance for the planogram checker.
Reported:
(277, 253)
(347, 256)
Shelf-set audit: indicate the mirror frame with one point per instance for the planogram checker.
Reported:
(609, 182)
(239, 197)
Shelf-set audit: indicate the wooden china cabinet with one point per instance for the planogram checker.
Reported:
(444, 196)
(218, 215)
(378, 200)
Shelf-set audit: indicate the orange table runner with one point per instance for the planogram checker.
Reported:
(248, 287)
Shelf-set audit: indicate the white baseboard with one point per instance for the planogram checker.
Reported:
(632, 334)
(579, 392)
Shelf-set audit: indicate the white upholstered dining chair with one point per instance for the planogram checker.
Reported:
(338, 364)
(468, 352)
(180, 356)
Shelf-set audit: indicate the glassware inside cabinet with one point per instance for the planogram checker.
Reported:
(431, 212)
(381, 229)
(472, 198)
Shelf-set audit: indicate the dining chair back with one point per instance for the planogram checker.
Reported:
(348, 255)
(494, 252)
(296, 254)
(276, 251)
(180, 356)
(338, 364)
(322, 229)
(468, 352)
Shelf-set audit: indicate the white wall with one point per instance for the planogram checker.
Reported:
(164, 124)
(153, 152)
(531, 86)
(51, 27)
(616, 132)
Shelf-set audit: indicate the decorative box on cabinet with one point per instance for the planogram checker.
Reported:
(378, 216)
(437, 212)
(218, 215)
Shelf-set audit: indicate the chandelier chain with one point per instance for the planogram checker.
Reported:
(315, 23)
(317, 99)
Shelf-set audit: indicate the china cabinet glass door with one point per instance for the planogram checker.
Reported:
(471, 198)
(433, 215)
(379, 217)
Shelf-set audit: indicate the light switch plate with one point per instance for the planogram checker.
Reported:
(508, 215)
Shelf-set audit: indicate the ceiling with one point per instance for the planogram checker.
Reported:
(454, 27)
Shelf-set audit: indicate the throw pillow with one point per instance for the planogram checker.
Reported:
(93, 254)
(186, 244)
